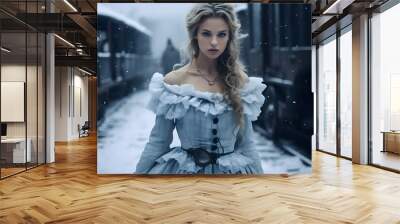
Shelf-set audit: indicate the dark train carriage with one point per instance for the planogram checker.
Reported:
(124, 56)
(278, 49)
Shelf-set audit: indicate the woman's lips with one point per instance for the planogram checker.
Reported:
(213, 51)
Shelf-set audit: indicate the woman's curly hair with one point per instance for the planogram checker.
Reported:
(228, 64)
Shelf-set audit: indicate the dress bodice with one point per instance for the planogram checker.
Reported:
(203, 120)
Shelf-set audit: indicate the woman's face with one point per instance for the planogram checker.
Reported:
(212, 37)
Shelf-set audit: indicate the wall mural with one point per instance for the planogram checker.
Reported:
(206, 88)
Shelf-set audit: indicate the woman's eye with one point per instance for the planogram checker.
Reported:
(222, 35)
(206, 34)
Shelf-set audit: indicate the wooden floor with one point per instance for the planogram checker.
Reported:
(70, 191)
(5, 172)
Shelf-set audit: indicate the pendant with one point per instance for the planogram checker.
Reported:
(211, 83)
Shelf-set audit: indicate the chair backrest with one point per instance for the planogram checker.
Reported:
(86, 125)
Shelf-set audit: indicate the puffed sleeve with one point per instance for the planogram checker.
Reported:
(252, 99)
(163, 104)
(245, 145)
(158, 144)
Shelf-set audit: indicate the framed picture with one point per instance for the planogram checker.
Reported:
(204, 88)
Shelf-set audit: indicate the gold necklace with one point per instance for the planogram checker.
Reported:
(210, 82)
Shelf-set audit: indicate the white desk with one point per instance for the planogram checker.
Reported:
(19, 149)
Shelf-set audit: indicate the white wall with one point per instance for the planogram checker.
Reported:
(314, 90)
(61, 103)
(12, 73)
(71, 94)
(81, 103)
(12, 101)
(33, 106)
(16, 73)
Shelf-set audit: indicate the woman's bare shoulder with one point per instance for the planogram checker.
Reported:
(176, 77)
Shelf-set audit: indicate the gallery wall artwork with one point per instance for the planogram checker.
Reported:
(204, 88)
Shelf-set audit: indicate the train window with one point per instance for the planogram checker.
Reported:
(255, 25)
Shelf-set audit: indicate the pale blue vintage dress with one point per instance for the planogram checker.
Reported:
(195, 115)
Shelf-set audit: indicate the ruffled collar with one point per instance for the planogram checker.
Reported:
(174, 100)
(190, 90)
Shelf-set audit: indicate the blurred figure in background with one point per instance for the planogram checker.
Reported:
(170, 57)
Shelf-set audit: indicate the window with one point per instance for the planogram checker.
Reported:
(327, 96)
(385, 88)
(346, 93)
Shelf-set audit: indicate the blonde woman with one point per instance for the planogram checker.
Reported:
(210, 101)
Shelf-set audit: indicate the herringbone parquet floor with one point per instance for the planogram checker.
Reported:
(70, 191)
